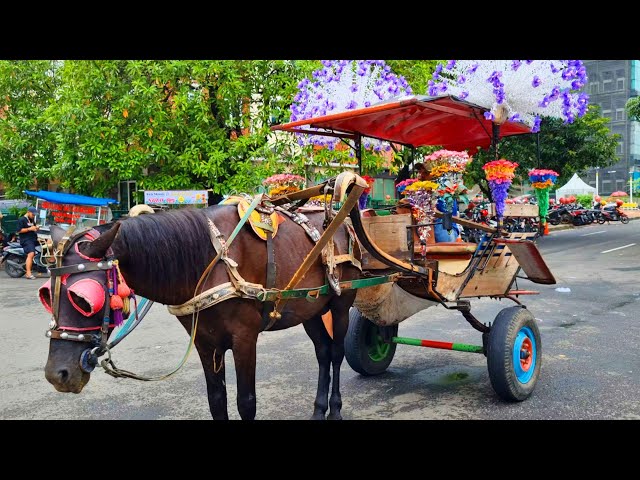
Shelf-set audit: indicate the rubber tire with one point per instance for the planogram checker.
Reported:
(502, 336)
(624, 219)
(601, 220)
(566, 219)
(12, 271)
(356, 349)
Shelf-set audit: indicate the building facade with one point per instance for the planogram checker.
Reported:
(610, 84)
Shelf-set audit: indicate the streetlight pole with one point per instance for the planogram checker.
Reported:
(597, 183)
(631, 186)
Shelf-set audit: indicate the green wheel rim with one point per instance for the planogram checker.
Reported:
(378, 350)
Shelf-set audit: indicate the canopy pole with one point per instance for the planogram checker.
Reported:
(358, 148)
(495, 127)
(538, 147)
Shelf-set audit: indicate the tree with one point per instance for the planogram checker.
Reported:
(27, 143)
(633, 108)
(565, 148)
(166, 124)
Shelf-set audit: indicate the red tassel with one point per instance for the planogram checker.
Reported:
(123, 290)
(116, 303)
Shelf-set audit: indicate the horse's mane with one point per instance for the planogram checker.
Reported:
(172, 245)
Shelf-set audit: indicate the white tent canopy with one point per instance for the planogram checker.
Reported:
(575, 186)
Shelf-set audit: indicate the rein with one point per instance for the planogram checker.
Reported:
(109, 366)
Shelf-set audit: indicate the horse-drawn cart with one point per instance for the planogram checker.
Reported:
(447, 274)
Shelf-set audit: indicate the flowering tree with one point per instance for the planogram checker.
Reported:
(516, 90)
(342, 85)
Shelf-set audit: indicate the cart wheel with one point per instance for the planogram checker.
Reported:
(514, 354)
(364, 349)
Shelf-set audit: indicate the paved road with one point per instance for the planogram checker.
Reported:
(590, 335)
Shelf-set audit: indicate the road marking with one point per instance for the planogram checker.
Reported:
(619, 248)
(593, 233)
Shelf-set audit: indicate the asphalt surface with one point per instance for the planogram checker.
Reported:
(590, 365)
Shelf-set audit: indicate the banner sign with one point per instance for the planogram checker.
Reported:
(65, 213)
(175, 197)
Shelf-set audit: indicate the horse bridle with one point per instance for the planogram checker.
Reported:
(98, 343)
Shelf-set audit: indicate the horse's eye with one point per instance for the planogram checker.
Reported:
(86, 296)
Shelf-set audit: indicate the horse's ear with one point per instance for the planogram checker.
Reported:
(98, 247)
(56, 233)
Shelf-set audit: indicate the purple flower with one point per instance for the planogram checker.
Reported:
(577, 84)
(461, 79)
(352, 105)
(367, 103)
(463, 95)
(438, 70)
(515, 117)
(450, 64)
(515, 65)
(489, 116)
(554, 69)
(473, 68)
(353, 88)
(528, 62)
(536, 124)
(536, 81)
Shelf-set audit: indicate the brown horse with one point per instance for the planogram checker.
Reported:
(162, 258)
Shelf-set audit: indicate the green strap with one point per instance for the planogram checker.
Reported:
(269, 295)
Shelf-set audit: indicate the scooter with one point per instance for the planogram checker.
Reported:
(15, 260)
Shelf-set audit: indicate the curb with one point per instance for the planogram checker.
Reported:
(555, 228)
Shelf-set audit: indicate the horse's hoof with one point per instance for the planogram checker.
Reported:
(318, 416)
(335, 416)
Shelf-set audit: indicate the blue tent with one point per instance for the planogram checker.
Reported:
(70, 198)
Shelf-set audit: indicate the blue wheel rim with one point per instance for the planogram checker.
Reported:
(522, 375)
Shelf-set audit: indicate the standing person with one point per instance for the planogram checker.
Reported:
(27, 229)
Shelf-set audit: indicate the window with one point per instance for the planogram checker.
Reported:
(127, 194)
(620, 84)
(593, 88)
(606, 113)
(607, 85)
(620, 147)
(620, 114)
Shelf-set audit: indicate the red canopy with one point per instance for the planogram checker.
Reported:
(415, 121)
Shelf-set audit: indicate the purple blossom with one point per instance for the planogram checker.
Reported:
(450, 64)
(352, 105)
(536, 124)
(367, 103)
(528, 62)
(473, 68)
(536, 81)
(554, 69)
(353, 88)
(463, 95)
(438, 70)
(489, 116)
(515, 117)
(461, 79)
(515, 65)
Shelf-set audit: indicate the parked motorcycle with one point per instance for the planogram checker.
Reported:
(612, 214)
(15, 260)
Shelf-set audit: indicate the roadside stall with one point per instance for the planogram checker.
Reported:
(65, 209)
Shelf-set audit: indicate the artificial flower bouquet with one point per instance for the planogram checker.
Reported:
(283, 184)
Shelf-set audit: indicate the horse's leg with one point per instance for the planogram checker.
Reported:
(340, 316)
(244, 357)
(322, 342)
(212, 359)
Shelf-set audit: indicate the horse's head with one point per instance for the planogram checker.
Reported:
(79, 305)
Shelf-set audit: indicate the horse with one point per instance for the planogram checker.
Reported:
(162, 257)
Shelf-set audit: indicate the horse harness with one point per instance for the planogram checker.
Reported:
(238, 287)
(89, 357)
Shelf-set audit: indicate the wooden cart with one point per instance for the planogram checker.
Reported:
(450, 274)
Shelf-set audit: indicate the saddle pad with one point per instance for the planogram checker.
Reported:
(259, 222)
